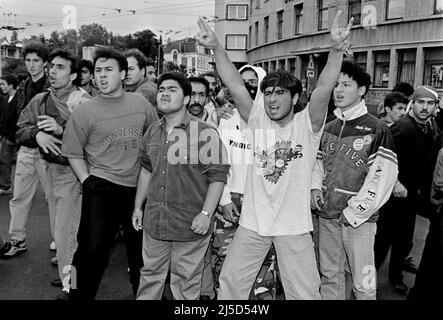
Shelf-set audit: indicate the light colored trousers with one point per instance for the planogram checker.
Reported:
(296, 262)
(30, 168)
(68, 200)
(343, 247)
(184, 258)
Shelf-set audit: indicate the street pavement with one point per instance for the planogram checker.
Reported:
(28, 276)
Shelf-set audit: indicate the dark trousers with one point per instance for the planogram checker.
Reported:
(395, 230)
(429, 280)
(7, 153)
(105, 206)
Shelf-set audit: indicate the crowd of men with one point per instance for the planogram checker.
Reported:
(223, 186)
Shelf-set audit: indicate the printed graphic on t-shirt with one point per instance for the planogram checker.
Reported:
(274, 163)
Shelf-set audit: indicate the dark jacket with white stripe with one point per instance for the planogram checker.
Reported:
(357, 166)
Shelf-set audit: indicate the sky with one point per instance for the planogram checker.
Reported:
(176, 17)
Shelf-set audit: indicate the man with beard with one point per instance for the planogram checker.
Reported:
(413, 139)
(102, 141)
(199, 99)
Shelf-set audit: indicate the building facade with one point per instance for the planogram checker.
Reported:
(394, 40)
(232, 28)
(189, 55)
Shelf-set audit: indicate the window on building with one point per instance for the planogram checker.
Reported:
(237, 12)
(355, 11)
(406, 66)
(282, 64)
(266, 29)
(256, 33)
(433, 75)
(236, 41)
(250, 37)
(323, 14)
(438, 7)
(360, 59)
(292, 66)
(193, 62)
(280, 24)
(266, 66)
(381, 69)
(298, 15)
(272, 66)
(395, 9)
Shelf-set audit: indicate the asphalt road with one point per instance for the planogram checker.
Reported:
(28, 276)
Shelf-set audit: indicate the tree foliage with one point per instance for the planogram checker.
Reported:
(91, 34)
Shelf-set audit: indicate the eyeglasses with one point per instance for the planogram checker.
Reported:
(278, 92)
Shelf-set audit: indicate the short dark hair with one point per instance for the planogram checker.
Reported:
(38, 48)
(201, 80)
(184, 82)
(404, 88)
(111, 53)
(75, 63)
(137, 55)
(358, 74)
(283, 79)
(150, 62)
(11, 79)
(395, 97)
(87, 64)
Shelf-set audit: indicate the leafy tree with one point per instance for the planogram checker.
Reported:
(91, 34)
(146, 42)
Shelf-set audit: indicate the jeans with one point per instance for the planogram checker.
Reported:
(7, 151)
(29, 170)
(185, 260)
(245, 256)
(67, 194)
(343, 247)
(105, 206)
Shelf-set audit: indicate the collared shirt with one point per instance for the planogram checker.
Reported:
(32, 88)
(183, 163)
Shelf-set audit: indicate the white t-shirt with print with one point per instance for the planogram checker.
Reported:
(278, 186)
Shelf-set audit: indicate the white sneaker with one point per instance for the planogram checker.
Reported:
(52, 246)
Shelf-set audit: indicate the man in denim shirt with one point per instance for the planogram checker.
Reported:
(182, 176)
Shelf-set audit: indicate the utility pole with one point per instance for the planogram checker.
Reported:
(159, 56)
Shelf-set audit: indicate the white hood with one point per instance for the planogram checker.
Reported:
(261, 73)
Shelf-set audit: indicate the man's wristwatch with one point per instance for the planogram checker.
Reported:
(206, 213)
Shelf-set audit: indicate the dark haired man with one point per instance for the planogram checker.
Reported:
(199, 99)
(29, 163)
(41, 125)
(151, 74)
(393, 108)
(102, 140)
(8, 122)
(411, 133)
(276, 201)
(87, 69)
(175, 160)
(358, 169)
(136, 79)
